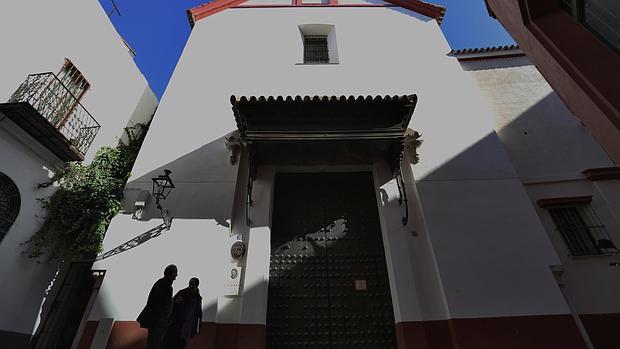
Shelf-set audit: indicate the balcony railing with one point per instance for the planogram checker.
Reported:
(60, 107)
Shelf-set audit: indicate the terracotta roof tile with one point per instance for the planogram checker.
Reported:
(234, 100)
(465, 51)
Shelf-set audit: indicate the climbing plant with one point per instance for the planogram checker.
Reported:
(88, 196)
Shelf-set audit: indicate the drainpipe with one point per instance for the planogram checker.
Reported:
(558, 271)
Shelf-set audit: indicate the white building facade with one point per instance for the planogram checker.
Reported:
(63, 64)
(567, 175)
(342, 181)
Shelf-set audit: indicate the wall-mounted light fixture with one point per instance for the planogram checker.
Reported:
(162, 186)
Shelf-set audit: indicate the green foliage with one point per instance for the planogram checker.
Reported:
(89, 196)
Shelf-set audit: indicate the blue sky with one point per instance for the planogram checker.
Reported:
(158, 29)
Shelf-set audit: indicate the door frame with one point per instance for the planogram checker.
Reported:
(397, 239)
(378, 172)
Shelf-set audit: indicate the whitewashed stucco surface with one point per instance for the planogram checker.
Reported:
(462, 261)
(36, 37)
(550, 148)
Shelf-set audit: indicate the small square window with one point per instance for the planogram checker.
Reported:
(316, 49)
(581, 229)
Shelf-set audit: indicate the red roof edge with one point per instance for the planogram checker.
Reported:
(201, 11)
(424, 8)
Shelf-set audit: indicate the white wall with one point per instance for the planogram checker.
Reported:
(533, 123)
(143, 112)
(464, 176)
(549, 149)
(591, 284)
(36, 37)
(26, 281)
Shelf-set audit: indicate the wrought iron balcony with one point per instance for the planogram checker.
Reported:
(47, 109)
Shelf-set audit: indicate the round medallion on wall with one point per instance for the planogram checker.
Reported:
(237, 250)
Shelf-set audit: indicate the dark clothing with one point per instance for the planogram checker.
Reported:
(156, 335)
(156, 314)
(186, 316)
(175, 342)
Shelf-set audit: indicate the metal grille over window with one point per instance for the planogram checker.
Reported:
(315, 49)
(582, 230)
(10, 202)
(56, 98)
(66, 95)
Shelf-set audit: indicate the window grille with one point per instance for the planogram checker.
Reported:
(10, 203)
(601, 17)
(581, 229)
(61, 99)
(75, 83)
(73, 79)
(315, 49)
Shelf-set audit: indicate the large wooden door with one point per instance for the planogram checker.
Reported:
(328, 283)
(67, 313)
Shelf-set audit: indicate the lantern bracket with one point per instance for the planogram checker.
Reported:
(162, 186)
(251, 177)
(402, 191)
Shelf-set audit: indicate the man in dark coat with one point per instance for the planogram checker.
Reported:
(156, 314)
(186, 316)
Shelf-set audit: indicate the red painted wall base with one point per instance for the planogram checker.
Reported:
(602, 329)
(129, 335)
(532, 332)
(518, 332)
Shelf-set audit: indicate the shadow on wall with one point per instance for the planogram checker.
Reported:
(39, 284)
(325, 232)
(138, 240)
(29, 285)
(205, 181)
(48, 287)
(548, 140)
(129, 335)
(543, 141)
(204, 190)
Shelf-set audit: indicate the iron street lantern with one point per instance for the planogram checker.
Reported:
(162, 186)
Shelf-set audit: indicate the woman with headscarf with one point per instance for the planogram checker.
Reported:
(186, 316)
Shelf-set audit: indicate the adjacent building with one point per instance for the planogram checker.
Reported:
(343, 179)
(569, 178)
(68, 86)
(576, 46)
